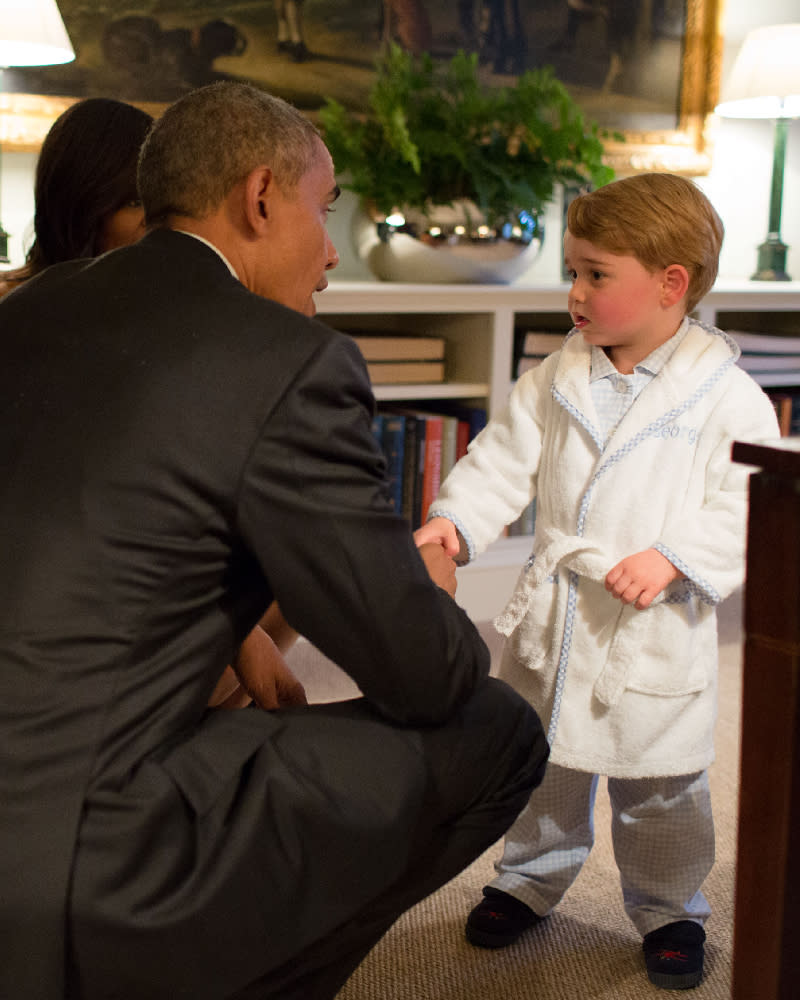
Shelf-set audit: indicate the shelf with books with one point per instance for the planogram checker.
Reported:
(534, 339)
(422, 441)
(770, 345)
(764, 318)
(477, 323)
(481, 325)
(463, 369)
(401, 359)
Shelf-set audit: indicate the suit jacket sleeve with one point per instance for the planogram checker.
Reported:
(314, 508)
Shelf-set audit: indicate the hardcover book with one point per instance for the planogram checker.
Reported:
(393, 443)
(405, 372)
(392, 347)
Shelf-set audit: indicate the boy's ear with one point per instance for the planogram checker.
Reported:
(675, 284)
(258, 188)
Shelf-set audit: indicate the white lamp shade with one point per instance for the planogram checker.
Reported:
(765, 79)
(32, 33)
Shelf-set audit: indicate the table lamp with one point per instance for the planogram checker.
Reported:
(765, 83)
(32, 33)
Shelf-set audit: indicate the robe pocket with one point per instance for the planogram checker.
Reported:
(531, 642)
(676, 650)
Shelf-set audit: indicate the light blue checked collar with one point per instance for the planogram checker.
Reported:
(613, 393)
(603, 367)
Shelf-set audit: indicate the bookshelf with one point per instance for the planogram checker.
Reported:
(478, 323)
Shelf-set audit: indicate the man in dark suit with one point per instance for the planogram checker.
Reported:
(179, 450)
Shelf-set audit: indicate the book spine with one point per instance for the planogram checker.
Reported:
(377, 428)
(410, 465)
(475, 416)
(393, 440)
(449, 444)
(419, 475)
(539, 342)
(764, 343)
(431, 479)
(405, 372)
(477, 421)
(794, 421)
(462, 438)
(785, 415)
(394, 348)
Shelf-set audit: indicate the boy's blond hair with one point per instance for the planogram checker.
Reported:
(660, 219)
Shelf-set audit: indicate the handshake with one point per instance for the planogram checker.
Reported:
(440, 545)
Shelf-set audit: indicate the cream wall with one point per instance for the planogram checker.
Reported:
(738, 184)
(16, 201)
(741, 174)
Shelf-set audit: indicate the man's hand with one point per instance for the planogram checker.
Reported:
(258, 674)
(228, 692)
(640, 578)
(441, 567)
(277, 628)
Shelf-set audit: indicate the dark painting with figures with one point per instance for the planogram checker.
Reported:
(621, 59)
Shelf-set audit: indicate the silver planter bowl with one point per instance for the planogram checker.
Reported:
(448, 244)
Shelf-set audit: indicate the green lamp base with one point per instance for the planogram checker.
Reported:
(4, 258)
(772, 261)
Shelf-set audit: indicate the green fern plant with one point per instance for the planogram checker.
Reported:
(435, 133)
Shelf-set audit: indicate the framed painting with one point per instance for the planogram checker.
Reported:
(646, 71)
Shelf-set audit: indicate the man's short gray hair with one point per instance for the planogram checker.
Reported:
(208, 141)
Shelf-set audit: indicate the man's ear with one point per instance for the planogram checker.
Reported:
(258, 188)
(675, 284)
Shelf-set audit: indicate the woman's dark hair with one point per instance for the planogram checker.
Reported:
(86, 171)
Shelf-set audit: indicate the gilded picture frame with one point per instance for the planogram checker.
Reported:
(685, 149)
(680, 142)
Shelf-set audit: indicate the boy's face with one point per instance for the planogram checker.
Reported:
(616, 302)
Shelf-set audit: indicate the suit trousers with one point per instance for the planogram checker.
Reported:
(356, 820)
(480, 769)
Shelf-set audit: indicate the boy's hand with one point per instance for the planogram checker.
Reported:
(441, 531)
(640, 578)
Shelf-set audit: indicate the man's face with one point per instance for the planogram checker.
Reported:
(299, 250)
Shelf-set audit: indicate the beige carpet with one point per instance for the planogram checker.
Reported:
(587, 949)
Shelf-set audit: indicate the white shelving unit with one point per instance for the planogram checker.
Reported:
(478, 324)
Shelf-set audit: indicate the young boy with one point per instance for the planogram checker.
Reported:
(624, 438)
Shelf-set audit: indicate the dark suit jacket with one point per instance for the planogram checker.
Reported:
(176, 452)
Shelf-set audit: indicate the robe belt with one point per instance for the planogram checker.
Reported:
(571, 552)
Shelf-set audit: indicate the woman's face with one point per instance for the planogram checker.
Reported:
(121, 228)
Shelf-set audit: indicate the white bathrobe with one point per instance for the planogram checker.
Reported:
(627, 693)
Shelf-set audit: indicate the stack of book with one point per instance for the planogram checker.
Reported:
(774, 362)
(531, 347)
(401, 359)
(421, 446)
